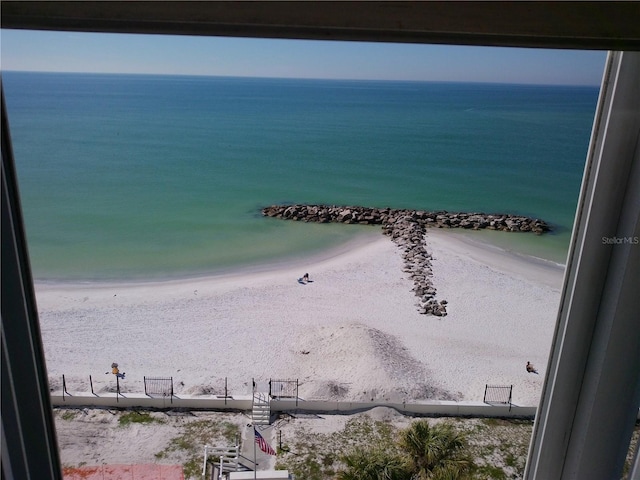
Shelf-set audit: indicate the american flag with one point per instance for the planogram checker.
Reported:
(262, 443)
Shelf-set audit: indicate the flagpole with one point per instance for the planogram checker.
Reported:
(255, 457)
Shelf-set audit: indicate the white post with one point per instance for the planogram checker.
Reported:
(255, 455)
(237, 458)
(204, 464)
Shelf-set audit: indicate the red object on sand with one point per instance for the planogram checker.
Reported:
(124, 472)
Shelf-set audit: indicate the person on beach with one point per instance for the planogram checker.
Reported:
(116, 371)
(305, 278)
(531, 368)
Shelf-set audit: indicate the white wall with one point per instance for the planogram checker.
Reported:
(245, 402)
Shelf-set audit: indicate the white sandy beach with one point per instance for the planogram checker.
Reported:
(352, 333)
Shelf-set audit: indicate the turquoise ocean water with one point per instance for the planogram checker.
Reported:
(144, 177)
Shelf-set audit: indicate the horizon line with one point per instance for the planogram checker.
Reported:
(267, 77)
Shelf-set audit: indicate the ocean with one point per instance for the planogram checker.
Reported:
(143, 177)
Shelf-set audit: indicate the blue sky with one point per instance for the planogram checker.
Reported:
(116, 53)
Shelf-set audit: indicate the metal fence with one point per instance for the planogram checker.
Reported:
(158, 387)
(155, 387)
(66, 393)
(498, 395)
(283, 388)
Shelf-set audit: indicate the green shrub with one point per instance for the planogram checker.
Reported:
(137, 417)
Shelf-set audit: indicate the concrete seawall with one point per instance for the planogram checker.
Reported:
(244, 403)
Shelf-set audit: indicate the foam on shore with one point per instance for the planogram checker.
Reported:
(352, 333)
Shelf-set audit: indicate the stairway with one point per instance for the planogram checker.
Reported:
(261, 412)
(227, 459)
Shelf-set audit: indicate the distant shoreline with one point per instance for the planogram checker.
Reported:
(294, 261)
(289, 262)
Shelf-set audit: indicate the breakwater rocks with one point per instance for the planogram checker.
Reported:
(381, 216)
(409, 236)
(407, 229)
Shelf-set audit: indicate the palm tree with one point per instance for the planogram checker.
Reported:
(374, 465)
(435, 452)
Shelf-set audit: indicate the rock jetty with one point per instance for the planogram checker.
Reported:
(381, 216)
(407, 229)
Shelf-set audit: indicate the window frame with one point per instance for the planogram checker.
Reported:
(587, 410)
